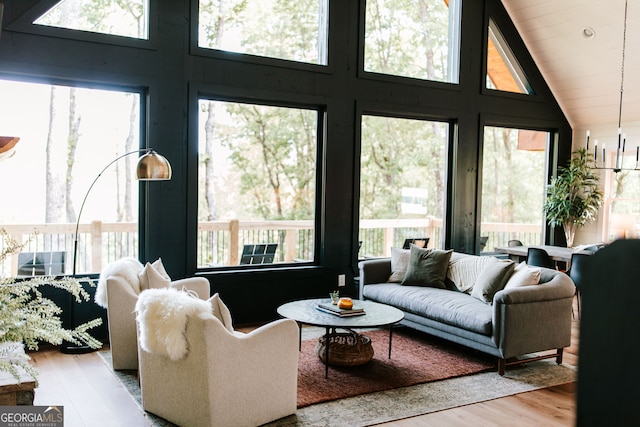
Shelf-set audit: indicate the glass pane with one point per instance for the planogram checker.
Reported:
(67, 135)
(513, 186)
(256, 184)
(503, 71)
(624, 219)
(295, 30)
(402, 183)
(128, 18)
(418, 39)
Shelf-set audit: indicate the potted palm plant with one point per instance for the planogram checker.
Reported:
(574, 195)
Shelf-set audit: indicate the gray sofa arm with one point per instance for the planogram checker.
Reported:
(373, 271)
(534, 318)
(558, 287)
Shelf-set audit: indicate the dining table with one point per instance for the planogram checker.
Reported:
(557, 253)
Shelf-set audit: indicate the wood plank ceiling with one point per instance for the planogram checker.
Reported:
(584, 73)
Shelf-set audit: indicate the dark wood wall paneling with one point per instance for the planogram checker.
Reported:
(173, 74)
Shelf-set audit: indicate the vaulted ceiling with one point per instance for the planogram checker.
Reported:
(584, 73)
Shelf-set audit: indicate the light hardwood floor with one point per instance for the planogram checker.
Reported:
(92, 396)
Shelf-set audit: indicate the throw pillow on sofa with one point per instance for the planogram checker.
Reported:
(523, 275)
(427, 267)
(492, 279)
(464, 270)
(399, 263)
(154, 276)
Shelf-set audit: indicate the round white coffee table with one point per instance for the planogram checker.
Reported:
(376, 315)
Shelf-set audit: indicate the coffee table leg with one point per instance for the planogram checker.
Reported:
(326, 353)
(390, 338)
(299, 336)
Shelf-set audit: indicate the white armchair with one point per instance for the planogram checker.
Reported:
(118, 289)
(226, 378)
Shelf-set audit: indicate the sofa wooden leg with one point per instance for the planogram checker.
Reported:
(559, 356)
(502, 366)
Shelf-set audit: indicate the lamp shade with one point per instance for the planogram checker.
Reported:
(153, 167)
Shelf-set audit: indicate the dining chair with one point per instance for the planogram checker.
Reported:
(540, 258)
(576, 273)
(483, 242)
(595, 248)
(512, 243)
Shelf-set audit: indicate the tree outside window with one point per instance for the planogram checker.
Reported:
(418, 39)
(67, 135)
(402, 182)
(513, 186)
(257, 181)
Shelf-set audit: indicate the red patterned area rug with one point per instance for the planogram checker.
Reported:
(416, 358)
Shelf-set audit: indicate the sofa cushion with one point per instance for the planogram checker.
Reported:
(427, 267)
(399, 263)
(221, 311)
(464, 270)
(492, 279)
(523, 275)
(451, 307)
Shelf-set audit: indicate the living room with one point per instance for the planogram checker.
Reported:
(175, 78)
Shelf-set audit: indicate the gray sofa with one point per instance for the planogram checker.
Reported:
(521, 320)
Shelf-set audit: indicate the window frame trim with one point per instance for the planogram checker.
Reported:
(251, 58)
(213, 92)
(25, 24)
(454, 48)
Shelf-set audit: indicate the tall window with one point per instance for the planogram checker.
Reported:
(256, 184)
(402, 182)
(67, 135)
(622, 204)
(513, 186)
(419, 39)
(295, 30)
(128, 18)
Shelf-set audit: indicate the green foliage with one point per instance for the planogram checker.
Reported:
(397, 153)
(506, 196)
(272, 152)
(274, 148)
(574, 196)
(27, 318)
(407, 38)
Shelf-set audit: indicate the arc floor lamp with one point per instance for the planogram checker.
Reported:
(151, 167)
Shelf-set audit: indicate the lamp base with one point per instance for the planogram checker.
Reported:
(71, 348)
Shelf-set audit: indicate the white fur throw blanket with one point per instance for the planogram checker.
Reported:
(127, 268)
(162, 315)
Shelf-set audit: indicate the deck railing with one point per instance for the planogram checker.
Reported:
(220, 243)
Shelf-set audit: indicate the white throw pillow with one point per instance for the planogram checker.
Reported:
(523, 275)
(464, 270)
(154, 276)
(399, 263)
(221, 311)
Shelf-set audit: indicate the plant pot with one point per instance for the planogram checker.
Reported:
(569, 233)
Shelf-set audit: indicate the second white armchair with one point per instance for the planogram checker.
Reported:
(119, 287)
